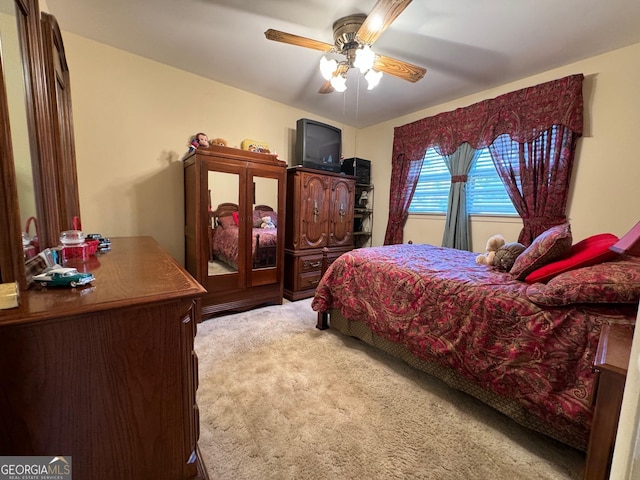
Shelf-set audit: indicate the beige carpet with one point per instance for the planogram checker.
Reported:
(280, 399)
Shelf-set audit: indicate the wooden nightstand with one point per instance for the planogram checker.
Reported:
(610, 365)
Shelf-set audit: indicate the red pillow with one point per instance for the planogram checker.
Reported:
(236, 217)
(590, 251)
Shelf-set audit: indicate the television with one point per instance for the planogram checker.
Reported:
(318, 145)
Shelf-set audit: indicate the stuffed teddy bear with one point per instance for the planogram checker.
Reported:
(506, 255)
(493, 244)
(267, 222)
(219, 141)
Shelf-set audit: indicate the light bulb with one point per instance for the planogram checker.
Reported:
(328, 67)
(364, 59)
(339, 83)
(373, 79)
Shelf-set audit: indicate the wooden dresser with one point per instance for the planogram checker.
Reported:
(106, 373)
(319, 214)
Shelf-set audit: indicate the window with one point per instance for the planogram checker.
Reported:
(486, 193)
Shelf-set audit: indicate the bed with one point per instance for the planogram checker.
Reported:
(224, 236)
(526, 349)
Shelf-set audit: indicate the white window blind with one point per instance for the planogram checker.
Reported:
(486, 193)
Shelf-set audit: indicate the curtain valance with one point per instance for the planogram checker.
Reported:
(523, 115)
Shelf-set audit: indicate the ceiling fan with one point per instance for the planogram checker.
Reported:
(353, 37)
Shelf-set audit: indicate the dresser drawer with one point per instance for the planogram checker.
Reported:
(303, 271)
(311, 263)
(308, 280)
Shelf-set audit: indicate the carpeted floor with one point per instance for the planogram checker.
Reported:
(280, 399)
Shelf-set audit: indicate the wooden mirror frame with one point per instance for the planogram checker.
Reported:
(63, 154)
(46, 134)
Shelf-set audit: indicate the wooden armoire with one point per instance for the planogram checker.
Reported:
(319, 214)
(223, 187)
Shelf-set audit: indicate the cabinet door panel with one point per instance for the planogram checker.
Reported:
(341, 212)
(315, 211)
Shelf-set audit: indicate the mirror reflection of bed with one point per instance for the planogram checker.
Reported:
(224, 223)
(223, 245)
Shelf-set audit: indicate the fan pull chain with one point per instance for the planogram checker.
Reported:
(358, 99)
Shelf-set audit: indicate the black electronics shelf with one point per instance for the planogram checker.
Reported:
(363, 216)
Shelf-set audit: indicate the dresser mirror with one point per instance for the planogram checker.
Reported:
(14, 75)
(18, 189)
(38, 176)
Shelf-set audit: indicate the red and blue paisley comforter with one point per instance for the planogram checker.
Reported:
(445, 308)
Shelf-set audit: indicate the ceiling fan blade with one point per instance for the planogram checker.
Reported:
(383, 14)
(326, 86)
(398, 68)
(292, 39)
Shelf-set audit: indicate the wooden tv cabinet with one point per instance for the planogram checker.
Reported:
(106, 373)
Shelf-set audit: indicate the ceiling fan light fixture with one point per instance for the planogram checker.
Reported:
(339, 83)
(364, 58)
(353, 37)
(373, 79)
(328, 67)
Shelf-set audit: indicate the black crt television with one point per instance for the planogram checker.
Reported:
(318, 145)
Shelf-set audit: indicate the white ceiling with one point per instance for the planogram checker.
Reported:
(466, 45)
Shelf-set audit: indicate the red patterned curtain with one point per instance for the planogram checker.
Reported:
(537, 175)
(404, 178)
(522, 115)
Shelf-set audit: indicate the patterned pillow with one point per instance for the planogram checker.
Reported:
(547, 247)
(616, 281)
(257, 218)
(226, 221)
